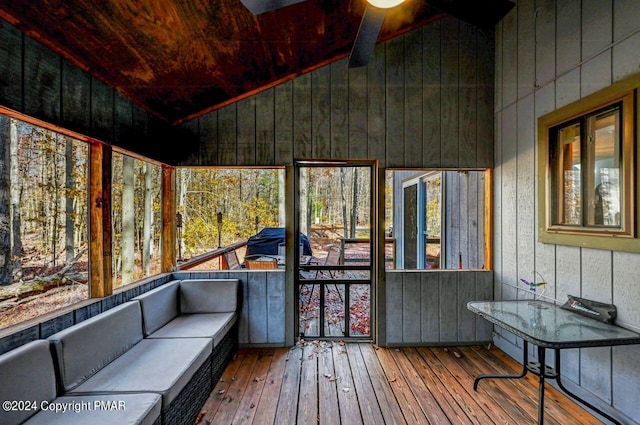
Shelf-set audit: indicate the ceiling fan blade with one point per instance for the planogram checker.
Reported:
(261, 6)
(483, 14)
(367, 35)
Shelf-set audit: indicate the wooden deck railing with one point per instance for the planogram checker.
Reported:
(208, 256)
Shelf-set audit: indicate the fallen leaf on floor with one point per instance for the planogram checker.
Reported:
(346, 390)
(458, 355)
(392, 380)
(222, 391)
(258, 379)
(252, 406)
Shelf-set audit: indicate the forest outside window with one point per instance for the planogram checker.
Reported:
(587, 151)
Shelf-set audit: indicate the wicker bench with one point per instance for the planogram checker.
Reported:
(159, 355)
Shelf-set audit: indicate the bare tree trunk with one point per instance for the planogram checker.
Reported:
(16, 192)
(354, 205)
(128, 223)
(148, 219)
(69, 184)
(6, 265)
(303, 211)
(344, 203)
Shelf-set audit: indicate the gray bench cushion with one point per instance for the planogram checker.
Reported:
(85, 348)
(209, 296)
(202, 325)
(162, 366)
(26, 374)
(159, 306)
(121, 409)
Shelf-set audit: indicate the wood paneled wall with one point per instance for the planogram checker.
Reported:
(39, 83)
(424, 100)
(431, 307)
(550, 53)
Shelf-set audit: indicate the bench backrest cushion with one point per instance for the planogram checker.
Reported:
(209, 296)
(26, 375)
(159, 306)
(85, 348)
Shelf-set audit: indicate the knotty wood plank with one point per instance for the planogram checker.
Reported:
(247, 408)
(266, 410)
(232, 397)
(511, 410)
(391, 410)
(327, 388)
(217, 396)
(411, 409)
(347, 396)
(434, 387)
(288, 401)
(457, 391)
(369, 407)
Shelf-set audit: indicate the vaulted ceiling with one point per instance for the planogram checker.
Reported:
(181, 58)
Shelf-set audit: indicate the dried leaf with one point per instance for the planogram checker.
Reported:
(458, 355)
(222, 391)
(392, 380)
(346, 390)
(258, 379)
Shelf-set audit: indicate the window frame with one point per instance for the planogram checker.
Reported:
(623, 238)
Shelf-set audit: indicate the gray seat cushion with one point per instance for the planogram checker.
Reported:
(209, 296)
(26, 374)
(161, 366)
(202, 325)
(121, 409)
(87, 347)
(159, 306)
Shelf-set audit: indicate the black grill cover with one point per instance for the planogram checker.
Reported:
(267, 240)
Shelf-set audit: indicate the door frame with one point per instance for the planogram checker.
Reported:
(292, 249)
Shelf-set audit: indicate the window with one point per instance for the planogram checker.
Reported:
(136, 217)
(437, 219)
(586, 159)
(246, 200)
(44, 215)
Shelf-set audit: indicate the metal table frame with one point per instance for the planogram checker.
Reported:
(520, 318)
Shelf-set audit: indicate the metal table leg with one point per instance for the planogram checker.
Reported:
(520, 375)
(575, 397)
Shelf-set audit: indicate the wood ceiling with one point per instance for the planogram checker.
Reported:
(181, 58)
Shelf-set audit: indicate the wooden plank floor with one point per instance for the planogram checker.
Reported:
(359, 383)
